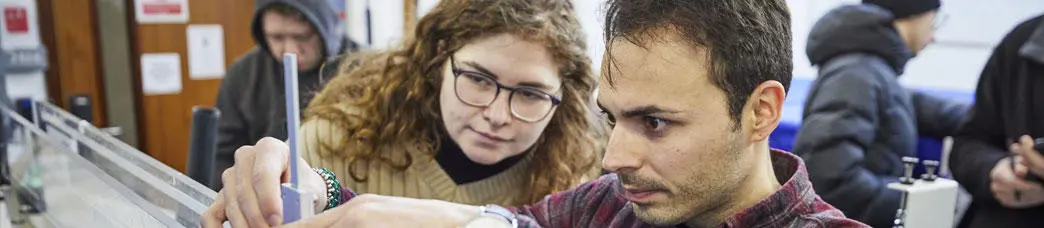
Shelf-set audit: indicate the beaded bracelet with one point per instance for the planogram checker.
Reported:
(333, 187)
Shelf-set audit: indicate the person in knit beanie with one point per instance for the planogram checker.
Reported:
(858, 120)
(914, 19)
(906, 8)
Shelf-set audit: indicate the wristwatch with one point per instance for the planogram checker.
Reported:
(493, 216)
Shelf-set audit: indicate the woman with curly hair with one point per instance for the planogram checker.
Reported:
(486, 102)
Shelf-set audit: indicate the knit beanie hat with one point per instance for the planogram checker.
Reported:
(905, 8)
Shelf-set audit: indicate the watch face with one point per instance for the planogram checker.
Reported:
(485, 221)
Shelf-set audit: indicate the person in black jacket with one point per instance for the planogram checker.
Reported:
(858, 121)
(1008, 110)
(251, 97)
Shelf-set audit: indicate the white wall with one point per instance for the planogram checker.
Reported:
(963, 43)
(803, 14)
(954, 62)
(388, 32)
(592, 16)
(386, 18)
(355, 20)
(388, 23)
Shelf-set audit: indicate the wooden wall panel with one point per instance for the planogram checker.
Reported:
(166, 119)
(237, 28)
(69, 30)
(45, 12)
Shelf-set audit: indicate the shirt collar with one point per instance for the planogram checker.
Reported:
(791, 198)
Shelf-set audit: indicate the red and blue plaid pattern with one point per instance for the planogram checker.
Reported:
(599, 203)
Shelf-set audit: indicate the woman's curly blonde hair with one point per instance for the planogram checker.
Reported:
(394, 93)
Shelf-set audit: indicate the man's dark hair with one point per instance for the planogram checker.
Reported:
(748, 41)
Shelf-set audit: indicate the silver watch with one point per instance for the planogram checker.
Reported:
(493, 216)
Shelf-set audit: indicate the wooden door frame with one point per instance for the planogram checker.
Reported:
(66, 58)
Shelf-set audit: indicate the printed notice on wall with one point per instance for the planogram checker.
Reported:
(161, 11)
(206, 51)
(160, 73)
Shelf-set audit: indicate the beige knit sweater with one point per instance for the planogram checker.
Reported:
(423, 179)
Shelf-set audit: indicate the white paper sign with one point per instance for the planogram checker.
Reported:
(19, 27)
(161, 11)
(160, 73)
(206, 51)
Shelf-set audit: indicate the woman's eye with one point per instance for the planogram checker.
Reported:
(478, 80)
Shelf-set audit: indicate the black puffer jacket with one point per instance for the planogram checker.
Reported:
(858, 120)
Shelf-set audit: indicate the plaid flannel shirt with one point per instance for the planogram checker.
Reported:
(600, 203)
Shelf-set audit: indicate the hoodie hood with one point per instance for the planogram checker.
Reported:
(320, 13)
(1034, 48)
(860, 28)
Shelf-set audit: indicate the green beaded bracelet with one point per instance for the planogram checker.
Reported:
(333, 187)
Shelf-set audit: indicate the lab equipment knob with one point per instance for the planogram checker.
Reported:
(930, 166)
(909, 163)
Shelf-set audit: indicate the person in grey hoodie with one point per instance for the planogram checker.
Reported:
(858, 121)
(251, 95)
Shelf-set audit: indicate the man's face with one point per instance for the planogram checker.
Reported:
(673, 145)
(923, 33)
(285, 34)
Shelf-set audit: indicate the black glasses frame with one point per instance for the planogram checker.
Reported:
(511, 92)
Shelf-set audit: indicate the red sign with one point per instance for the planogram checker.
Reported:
(162, 8)
(16, 20)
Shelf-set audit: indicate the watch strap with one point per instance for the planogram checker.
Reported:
(500, 212)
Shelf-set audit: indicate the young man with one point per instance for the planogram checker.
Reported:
(858, 120)
(251, 95)
(1009, 104)
(692, 88)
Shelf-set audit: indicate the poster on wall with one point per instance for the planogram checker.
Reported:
(161, 11)
(16, 20)
(18, 25)
(206, 51)
(160, 73)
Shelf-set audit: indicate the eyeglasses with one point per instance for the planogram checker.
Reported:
(481, 90)
(939, 21)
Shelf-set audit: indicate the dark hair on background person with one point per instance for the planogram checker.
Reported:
(747, 44)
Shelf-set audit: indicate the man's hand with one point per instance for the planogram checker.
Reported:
(366, 211)
(1005, 181)
(252, 193)
(1032, 158)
